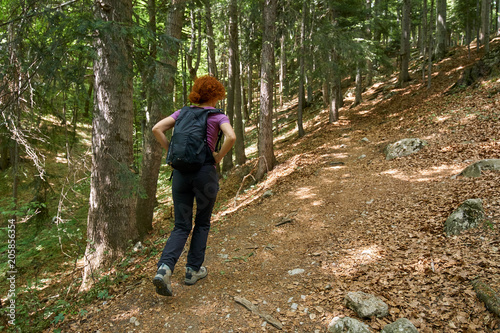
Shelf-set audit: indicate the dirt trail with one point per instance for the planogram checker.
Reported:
(349, 219)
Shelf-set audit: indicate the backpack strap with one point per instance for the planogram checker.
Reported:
(218, 144)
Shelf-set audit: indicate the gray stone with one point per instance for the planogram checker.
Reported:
(296, 271)
(267, 194)
(366, 305)
(138, 246)
(402, 325)
(474, 170)
(468, 215)
(347, 325)
(403, 147)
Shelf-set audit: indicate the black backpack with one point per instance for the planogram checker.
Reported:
(188, 150)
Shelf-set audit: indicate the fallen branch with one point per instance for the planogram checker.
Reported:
(284, 221)
(243, 181)
(486, 294)
(247, 304)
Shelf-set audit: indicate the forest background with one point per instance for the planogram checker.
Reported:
(83, 82)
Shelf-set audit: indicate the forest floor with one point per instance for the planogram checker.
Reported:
(340, 218)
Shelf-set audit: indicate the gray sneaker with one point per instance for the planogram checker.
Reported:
(192, 276)
(162, 281)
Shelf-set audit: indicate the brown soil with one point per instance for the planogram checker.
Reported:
(350, 219)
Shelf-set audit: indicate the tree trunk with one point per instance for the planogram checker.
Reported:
(377, 33)
(244, 99)
(5, 143)
(485, 24)
(239, 147)
(338, 84)
(308, 47)
(111, 218)
(265, 145)
(195, 43)
(335, 100)
(336, 90)
(282, 65)
(404, 75)
(302, 55)
(249, 88)
(86, 112)
(161, 105)
(441, 33)
(497, 21)
(183, 70)
(468, 35)
(369, 36)
(478, 24)
(326, 92)
(232, 72)
(359, 85)
(212, 65)
(11, 113)
(425, 28)
(334, 104)
(429, 52)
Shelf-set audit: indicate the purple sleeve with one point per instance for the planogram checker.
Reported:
(175, 114)
(213, 127)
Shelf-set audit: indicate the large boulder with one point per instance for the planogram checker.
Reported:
(402, 325)
(474, 170)
(347, 325)
(403, 147)
(468, 215)
(366, 305)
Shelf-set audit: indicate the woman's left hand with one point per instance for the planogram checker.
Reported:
(216, 157)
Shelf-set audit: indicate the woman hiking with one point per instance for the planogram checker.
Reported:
(187, 186)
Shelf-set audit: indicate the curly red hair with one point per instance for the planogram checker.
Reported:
(206, 88)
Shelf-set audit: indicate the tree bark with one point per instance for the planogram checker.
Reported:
(161, 105)
(302, 55)
(111, 218)
(404, 75)
(195, 46)
(485, 24)
(239, 146)
(212, 65)
(4, 149)
(441, 33)
(429, 52)
(478, 24)
(282, 65)
(232, 72)
(425, 28)
(336, 100)
(244, 99)
(326, 92)
(265, 145)
(369, 36)
(497, 21)
(249, 89)
(335, 97)
(359, 85)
